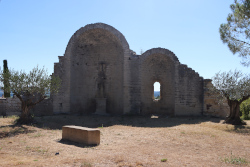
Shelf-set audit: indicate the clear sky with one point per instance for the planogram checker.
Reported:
(37, 32)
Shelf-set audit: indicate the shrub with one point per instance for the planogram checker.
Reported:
(245, 110)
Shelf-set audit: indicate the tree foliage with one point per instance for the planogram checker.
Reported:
(235, 87)
(6, 80)
(233, 84)
(236, 32)
(245, 110)
(30, 88)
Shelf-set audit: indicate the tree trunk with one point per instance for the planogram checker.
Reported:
(234, 116)
(25, 117)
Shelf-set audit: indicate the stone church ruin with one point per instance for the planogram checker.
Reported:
(100, 74)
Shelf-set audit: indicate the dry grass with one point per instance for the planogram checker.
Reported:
(126, 141)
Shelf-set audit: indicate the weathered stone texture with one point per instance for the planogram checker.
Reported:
(43, 108)
(92, 67)
(134, 87)
(12, 106)
(99, 64)
(61, 101)
(97, 71)
(161, 68)
(212, 106)
(88, 136)
(189, 92)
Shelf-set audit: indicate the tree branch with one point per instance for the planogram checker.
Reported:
(41, 99)
(240, 41)
(18, 96)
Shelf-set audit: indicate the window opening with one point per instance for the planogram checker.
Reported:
(157, 91)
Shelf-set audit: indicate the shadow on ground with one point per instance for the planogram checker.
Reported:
(67, 142)
(241, 129)
(13, 130)
(95, 121)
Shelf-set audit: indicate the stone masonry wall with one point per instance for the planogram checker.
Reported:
(99, 64)
(212, 107)
(12, 106)
(43, 108)
(157, 65)
(135, 84)
(93, 67)
(189, 92)
(61, 100)
(97, 72)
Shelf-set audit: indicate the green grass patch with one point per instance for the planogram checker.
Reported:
(232, 159)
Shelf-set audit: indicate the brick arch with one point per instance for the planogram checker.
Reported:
(103, 26)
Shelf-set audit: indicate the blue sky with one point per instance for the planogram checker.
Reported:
(37, 32)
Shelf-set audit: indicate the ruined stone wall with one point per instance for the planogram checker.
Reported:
(61, 100)
(97, 71)
(95, 57)
(188, 92)
(43, 108)
(12, 106)
(212, 106)
(158, 65)
(99, 64)
(100, 72)
(135, 85)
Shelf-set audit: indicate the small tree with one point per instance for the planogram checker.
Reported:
(235, 87)
(30, 88)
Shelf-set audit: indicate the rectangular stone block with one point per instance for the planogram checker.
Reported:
(88, 136)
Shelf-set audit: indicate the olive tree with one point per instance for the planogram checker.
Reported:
(235, 87)
(30, 88)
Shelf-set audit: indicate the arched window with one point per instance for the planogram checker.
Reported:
(157, 91)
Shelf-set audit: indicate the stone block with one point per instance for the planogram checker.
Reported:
(88, 136)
